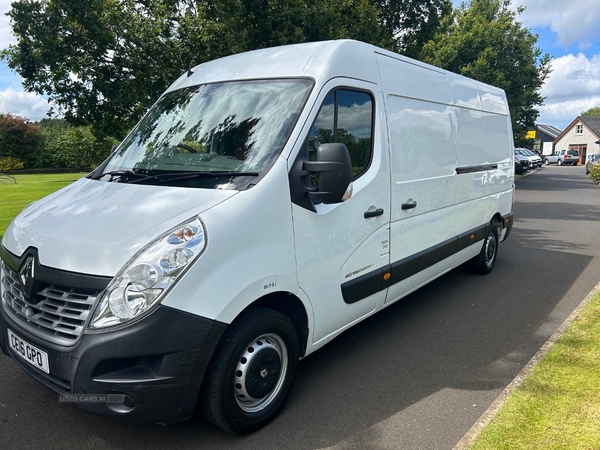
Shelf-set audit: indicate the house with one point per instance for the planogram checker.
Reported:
(542, 134)
(582, 134)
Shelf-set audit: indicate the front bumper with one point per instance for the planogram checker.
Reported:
(158, 363)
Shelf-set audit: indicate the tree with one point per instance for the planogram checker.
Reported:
(412, 23)
(19, 139)
(73, 148)
(592, 112)
(104, 62)
(485, 41)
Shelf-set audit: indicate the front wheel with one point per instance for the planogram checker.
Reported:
(484, 262)
(547, 162)
(252, 371)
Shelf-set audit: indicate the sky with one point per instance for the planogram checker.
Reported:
(568, 31)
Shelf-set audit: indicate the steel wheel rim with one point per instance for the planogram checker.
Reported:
(490, 249)
(263, 364)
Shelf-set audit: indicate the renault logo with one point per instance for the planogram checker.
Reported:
(26, 274)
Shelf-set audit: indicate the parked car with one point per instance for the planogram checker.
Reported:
(594, 159)
(563, 156)
(537, 158)
(534, 161)
(519, 167)
(524, 162)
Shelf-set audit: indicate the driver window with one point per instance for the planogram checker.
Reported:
(346, 116)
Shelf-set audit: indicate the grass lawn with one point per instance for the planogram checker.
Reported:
(28, 188)
(558, 405)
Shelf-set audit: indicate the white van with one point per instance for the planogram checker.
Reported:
(267, 202)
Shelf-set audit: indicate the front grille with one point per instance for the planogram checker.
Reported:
(55, 313)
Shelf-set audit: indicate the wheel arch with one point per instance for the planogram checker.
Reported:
(287, 304)
(497, 221)
(290, 306)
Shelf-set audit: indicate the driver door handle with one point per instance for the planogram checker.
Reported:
(374, 213)
(410, 205)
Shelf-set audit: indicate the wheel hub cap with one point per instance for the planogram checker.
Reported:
(260, 372)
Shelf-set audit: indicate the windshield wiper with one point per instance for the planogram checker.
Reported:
(131, 177)
(126, 174)
(169, 177)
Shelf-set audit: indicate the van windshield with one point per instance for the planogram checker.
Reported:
(220, 135)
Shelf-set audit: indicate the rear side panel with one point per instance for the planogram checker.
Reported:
(451, 167)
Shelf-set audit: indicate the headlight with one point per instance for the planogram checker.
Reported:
(146, 277)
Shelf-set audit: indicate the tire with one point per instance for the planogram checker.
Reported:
(546, 162)
(252, 371)
(560, 163)
(485, 261)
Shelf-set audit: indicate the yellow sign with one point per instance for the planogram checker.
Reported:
(530, 135)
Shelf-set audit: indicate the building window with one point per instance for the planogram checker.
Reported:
(579, 129)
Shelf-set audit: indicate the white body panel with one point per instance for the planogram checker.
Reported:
(249, 252)
(428, 123)
(94, 227)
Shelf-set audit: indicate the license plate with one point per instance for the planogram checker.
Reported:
(28, 352)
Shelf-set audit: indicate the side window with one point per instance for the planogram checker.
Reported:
(346, 116)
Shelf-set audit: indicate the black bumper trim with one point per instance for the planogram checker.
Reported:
(507, 222)
(158, 362)
(382, 278)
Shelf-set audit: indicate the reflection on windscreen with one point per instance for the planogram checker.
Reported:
(221, 127)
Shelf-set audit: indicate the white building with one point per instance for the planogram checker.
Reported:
(582, 134)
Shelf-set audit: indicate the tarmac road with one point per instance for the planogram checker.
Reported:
(415, 376)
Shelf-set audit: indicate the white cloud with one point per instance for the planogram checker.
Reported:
(24, 104)
(572, 87)
(6, 36)
(573, 76)
(573, 22)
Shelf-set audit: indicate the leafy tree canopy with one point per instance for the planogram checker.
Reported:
(19, 138)
(485, 41)
(104, 62)
(412, 23)
(595, 112)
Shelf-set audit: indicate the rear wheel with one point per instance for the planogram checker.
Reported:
(484, 262)
(560, 163)
(252, 371)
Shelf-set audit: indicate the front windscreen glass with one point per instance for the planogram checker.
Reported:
(221, 135)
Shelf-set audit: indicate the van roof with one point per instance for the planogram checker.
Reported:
(323, 61)
(314, 59)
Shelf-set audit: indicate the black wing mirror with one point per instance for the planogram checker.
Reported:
(334, 172)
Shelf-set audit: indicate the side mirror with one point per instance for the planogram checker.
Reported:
(334, 172)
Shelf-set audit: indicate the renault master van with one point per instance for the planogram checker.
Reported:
(267, 202)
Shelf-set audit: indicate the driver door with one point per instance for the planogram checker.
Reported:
(342, 248)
